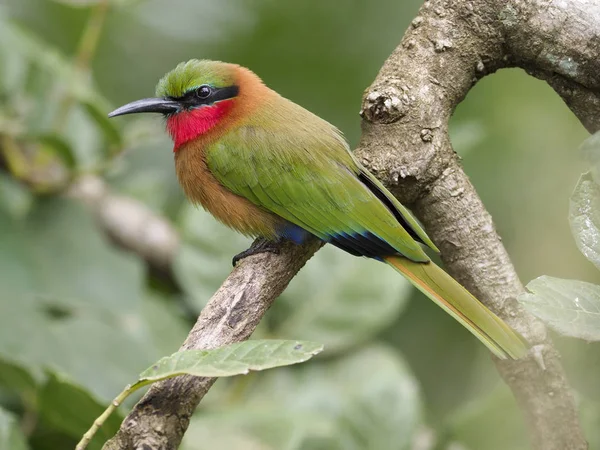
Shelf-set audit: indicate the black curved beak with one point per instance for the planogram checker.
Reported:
(155, 105)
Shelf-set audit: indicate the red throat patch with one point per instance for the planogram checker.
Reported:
(188, 125)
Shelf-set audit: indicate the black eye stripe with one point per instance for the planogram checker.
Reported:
(191, 98)
(224, 93)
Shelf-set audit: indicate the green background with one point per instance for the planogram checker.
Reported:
(80, 318)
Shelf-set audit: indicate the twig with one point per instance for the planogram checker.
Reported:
(128, 222)
(119, 399)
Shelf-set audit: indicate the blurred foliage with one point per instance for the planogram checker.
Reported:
(572, 307)
(79, 318)
(234, 359)
(11, 436)
(367, 399)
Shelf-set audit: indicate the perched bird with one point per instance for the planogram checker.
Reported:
(269, 168)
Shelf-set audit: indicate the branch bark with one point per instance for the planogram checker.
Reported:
(449, 46)
(128, 222)
(160, 419)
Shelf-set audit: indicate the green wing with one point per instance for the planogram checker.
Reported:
(312, 180)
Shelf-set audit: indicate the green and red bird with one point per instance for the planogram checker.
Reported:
(269, 168)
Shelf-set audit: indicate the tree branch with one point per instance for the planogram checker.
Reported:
(160, 419)
(128, 222)
(559, 42)
(449, 46)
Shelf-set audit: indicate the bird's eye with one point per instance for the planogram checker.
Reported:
(203, 91)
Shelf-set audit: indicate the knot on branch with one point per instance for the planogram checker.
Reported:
(387, 103)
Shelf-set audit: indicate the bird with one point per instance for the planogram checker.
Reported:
(270, 169)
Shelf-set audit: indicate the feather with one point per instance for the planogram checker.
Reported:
(460, 304)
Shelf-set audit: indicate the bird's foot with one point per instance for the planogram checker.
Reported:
(260, 245)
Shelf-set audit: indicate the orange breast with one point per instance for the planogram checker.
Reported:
(202, 187)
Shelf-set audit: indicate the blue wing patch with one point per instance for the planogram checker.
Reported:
(294, 233)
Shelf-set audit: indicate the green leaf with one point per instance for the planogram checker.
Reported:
(584, 217)
(59, 147)
(570, 307)
(166, 325)
(368, 400)
(40, 81)
(59, 242)
(68, 408)
(234, 359)
(37, 163)
(69, 299)
(97, 111)
(16, 378)
(86, 138)
(11, 436)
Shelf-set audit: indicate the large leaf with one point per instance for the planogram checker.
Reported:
(69, 300)
(37, 161)
(68, 408)
(58, 147)
(15, 378)
(234, 359)
(166, 325)
(570, 307)
(59, 241)
(584, 217)
(97, 111)
(46, 93)
(368, 400)
(11, 437)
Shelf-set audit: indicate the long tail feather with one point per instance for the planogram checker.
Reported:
(444, 290)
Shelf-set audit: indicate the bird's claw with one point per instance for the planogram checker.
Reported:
(260, 245)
